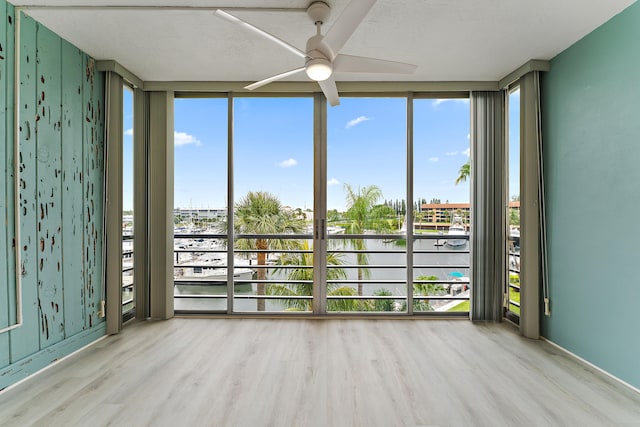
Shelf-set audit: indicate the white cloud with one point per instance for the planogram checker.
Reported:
(288, 163)
(436, 103)
(451, 153)
(333, 181)
(467, 152)
(468, 136)
(434, 159)
(128, 132)
(358, 120)
(183, 138)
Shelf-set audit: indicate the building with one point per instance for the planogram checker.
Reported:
(437, 213)
(441, 213)
(59, 102)
(199, 214)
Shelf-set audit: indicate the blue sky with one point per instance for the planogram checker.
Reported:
(273, 151)
(127, 151)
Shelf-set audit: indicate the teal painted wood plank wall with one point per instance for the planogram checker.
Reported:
(591, 133)
(61, 161)
(7, 259)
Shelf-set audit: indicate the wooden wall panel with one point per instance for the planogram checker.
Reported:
(6, 145)
(97, 178)
(49, 206)
(93, 172)
(10, 161)
(26, 339)
(60, 200)
(72, 194)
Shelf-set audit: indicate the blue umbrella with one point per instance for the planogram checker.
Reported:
(456, 274)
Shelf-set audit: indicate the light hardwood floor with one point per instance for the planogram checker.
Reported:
(338, 372)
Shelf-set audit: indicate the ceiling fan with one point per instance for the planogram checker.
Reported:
(321, 55)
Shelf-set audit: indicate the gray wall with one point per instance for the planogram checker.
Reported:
(591, 131)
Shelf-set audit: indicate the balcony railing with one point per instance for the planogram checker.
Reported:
(513, 305)
(369, 276)
(127, 275)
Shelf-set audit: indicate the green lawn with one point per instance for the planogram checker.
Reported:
(463, 306)
(514, 295)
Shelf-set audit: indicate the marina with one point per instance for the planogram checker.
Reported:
(200, 273)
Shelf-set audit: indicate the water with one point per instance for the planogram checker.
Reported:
(442, 265)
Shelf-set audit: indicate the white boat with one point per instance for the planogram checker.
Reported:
(210, 268)
(214, 276)
(210, 281)
(456, 229)
(514, 237)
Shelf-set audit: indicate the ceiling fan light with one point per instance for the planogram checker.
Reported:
(318, 69)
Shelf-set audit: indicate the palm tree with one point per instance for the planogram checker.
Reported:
(262, 213)
(382, 304)
(361, 214)
(426, 289)
(464, 173)
(305, 285)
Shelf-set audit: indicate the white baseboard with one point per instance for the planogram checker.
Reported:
(591, 365)
(51, 365)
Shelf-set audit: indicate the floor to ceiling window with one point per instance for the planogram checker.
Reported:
(367, 206)
(200, 201)
(441, 188)
(512, 306)
(273, 189)
(246, 182)
(128, 285)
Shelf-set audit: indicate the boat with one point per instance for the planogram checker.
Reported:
(208, 268)
(214, 275)
(456, 228)
(514, 237)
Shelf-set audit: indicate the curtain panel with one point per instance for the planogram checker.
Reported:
(489, 201)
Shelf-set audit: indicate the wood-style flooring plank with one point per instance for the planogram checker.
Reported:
(335, 372)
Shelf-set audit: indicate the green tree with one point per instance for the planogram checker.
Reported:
(333, 215)
(298, 212)
(464, 173)
(382, 304)
(303, 281)
(362, 216)
(514, 216)
(426, 289)
(262, 213)
(432, 216)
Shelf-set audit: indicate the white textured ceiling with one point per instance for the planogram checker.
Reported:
(449, 40)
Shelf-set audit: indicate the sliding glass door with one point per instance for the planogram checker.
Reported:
(367, 206)
(273, 195)
(128, 284)
(200, 204)
(512, 300)
(441, 186)
(250, 173)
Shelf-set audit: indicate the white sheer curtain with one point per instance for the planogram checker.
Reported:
(488, 198)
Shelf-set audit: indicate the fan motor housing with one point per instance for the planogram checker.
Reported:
(318, 11)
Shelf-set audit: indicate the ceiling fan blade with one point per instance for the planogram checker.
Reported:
(273, 78)
(330, 91)
(231, 18)
(347, 23)
(361, 64)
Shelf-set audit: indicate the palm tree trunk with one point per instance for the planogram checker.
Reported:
(262, 272)
(361, 261)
